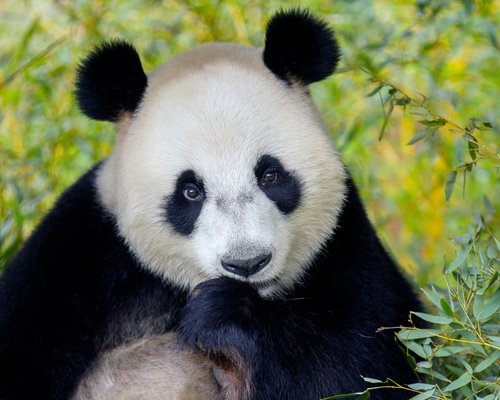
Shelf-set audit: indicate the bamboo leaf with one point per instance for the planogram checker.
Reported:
(491, 281)
(483, 311)
(472, 149)
(493, 357)
(447, 308)
(415, 347)
(403, 101)
(449, 350)
(424, 395)
(386, 120)
(421, 386)
(433, 318)
(372, 380)
(376, 90)
(418, 137)
(432, 122)
(434, 374)
(450, 184)
(412, 334)
(459, 260)
(433, 296)
(463, 380)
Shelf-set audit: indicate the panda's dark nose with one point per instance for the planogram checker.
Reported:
(246, 267)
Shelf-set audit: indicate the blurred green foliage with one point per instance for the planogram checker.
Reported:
(431, 68)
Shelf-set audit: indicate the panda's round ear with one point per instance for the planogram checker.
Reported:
(110, 81)
(300, 47)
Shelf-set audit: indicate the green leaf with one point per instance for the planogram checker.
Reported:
(403, 101)
(446, 351)
(372, 380)
(464, 183)
(424, 364)
(488, 205)
(23, 45)
(407, 355)
(364, 396)
(495, 340)
(421, 386)
(412, 334)
(483, 311)
(488, 311)
(463, 239)
(491, 252)
(467, 366)
(424, 396)
(463, 380)
(446, 308)
(433, 318)
(433, 296)
(493, 37)
(376, 90)
(450, 183)
(416, 348)
(428, 350)
(386, 120)
(434, 374)
(432, 122)
(490, 283)
(459, 260)
(484, 125)
(418, 137)
(473, 150)
(493, 357)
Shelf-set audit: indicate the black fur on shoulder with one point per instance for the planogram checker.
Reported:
(110, 81)
(300, 46)
(73, 292)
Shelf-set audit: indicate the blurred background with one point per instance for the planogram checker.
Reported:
(414, 108)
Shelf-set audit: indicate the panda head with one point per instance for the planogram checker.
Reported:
(222, 166)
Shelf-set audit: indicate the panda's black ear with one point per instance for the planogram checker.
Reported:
(300, 47)
(110, 81)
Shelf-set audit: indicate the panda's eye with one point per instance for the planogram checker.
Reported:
(192, 192)
(269, 177)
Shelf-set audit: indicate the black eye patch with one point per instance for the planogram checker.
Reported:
(182, 213)
(285, 191)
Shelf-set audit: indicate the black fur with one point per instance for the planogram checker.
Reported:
(300, 47)
(286, 191)
(75, 290)
(182, 213)
(110, 81)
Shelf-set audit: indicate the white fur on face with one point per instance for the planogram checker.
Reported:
(216, 111)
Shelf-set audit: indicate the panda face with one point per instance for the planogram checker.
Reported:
(224, 170)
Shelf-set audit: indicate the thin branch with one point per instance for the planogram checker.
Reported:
(32, 61)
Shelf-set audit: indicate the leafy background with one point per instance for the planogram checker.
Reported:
(414, 107)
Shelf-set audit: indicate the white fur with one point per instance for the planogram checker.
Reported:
(216, 110)
(150, 369)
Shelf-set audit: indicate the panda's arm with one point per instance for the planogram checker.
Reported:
(270, 343)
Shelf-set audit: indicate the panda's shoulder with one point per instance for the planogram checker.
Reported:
(76, 233)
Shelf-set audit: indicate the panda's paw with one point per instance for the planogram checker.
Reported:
(221, 313)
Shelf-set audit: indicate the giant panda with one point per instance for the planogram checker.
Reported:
(222, 239)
